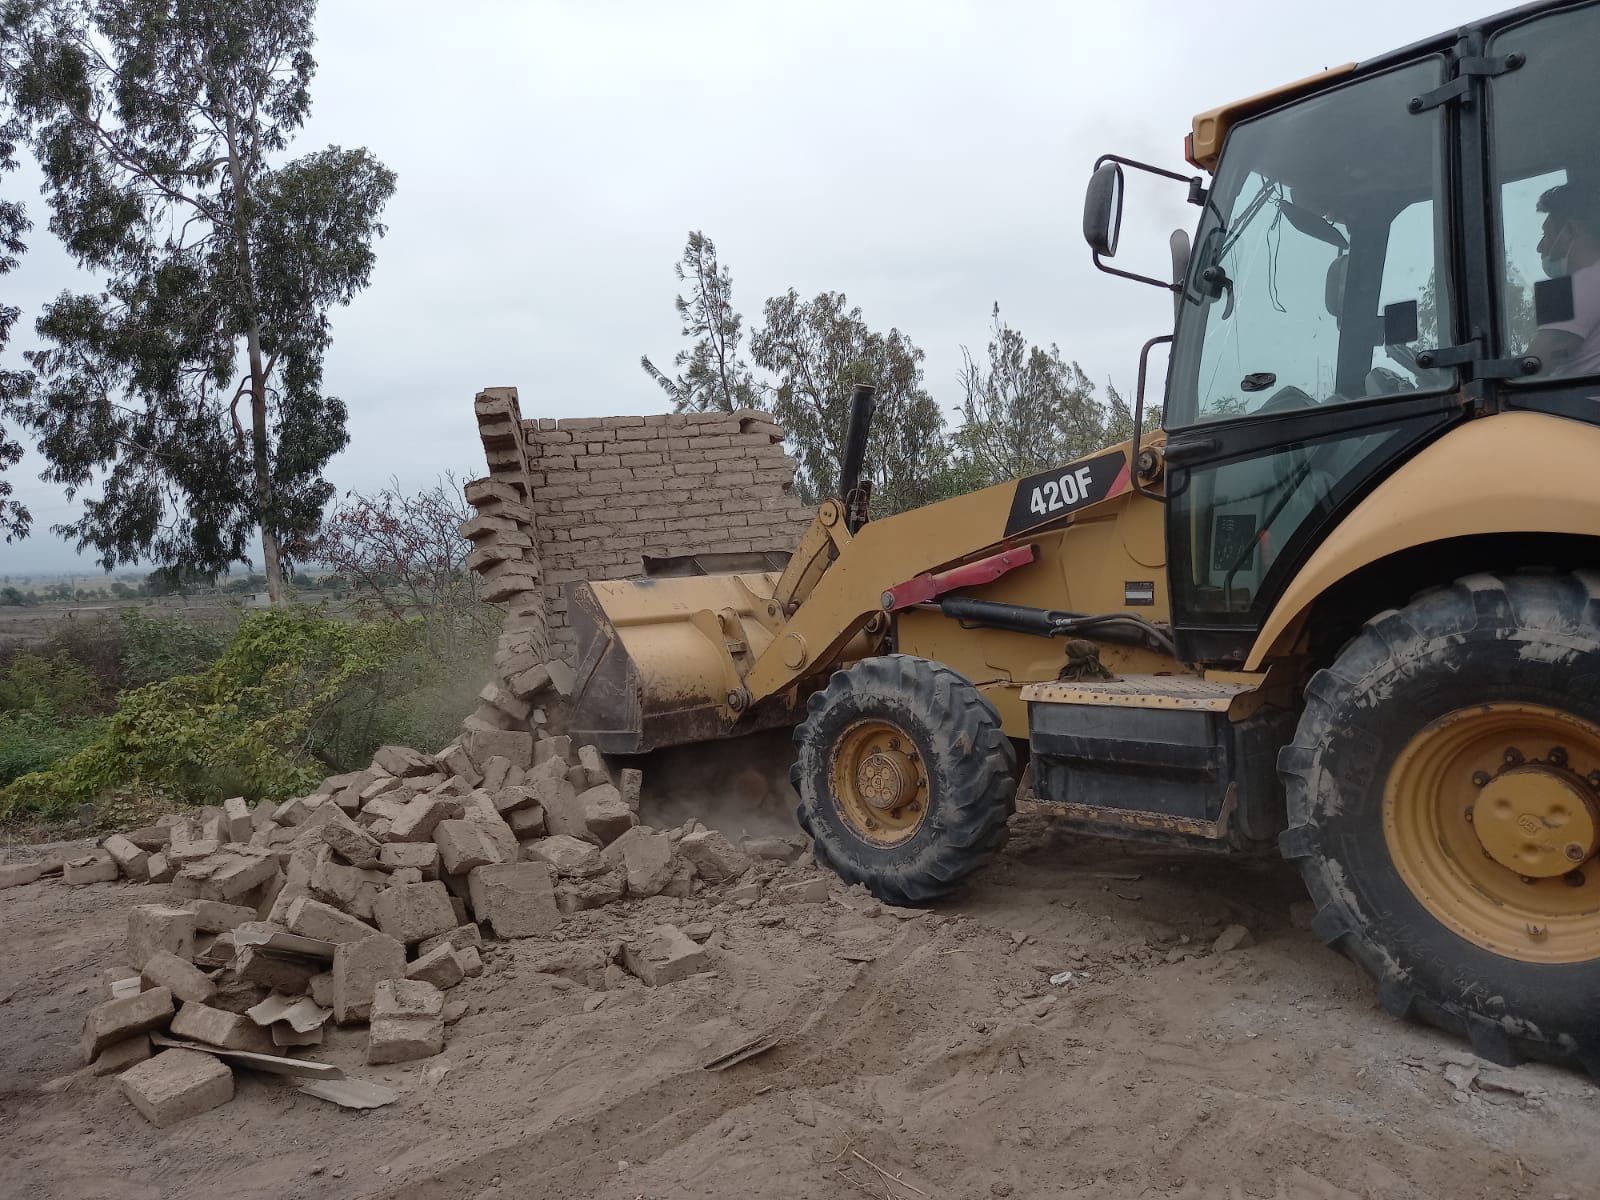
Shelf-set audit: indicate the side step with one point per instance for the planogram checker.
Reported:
(1155, 757)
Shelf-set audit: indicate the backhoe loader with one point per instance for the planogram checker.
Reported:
(1344, 606)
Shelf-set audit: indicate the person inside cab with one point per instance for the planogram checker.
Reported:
(1570, 246)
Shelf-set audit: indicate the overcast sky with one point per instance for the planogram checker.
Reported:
(927, 159)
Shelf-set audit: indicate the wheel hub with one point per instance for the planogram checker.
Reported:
(886, 779)
(1537, 820)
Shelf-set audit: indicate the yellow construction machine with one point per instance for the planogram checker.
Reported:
(1345, 605)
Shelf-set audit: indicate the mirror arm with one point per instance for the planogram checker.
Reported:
(1138, 419)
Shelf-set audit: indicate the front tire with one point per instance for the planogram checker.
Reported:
(1444, 811)
(905, 777)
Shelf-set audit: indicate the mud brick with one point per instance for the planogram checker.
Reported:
(605, 815)
(576, 895)
(481, 745)
(454, 761)
(358, 967)
(217, 916)
(497, 772)
(97, 866)
(407, 1021)
(441, 967)
(566, 855)
(179, 976)
(314, 919)
(385, 808)
(353, 889)
(17, 874)
(464, 845)
(630, 783)
(160, 868)
(664, 955)
(461, 937)
(176, 1085)
(500, 698)
(526, 822)
(351, 842)
(515, 899)
(238, 874)
(418, 856)
(402, 761)
(382, 785)
(119, 1056)
(559, 746)
(715, 858)
(280, 972)
(320, 988)
(150, 837)
(528, 682)
(236, 813)
(118, 1019)
(508, 800)
(414, 911)
(192, 851)
(646, 856)
(298, 810)
(562, 676)
(494, 827)
(217, 1027)
(420, 817)
(563, 811)
(812, 891)
(589, 759)
(130, 859)
(153, 927)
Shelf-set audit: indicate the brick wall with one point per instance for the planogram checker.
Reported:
(607, 492)
(592, 498)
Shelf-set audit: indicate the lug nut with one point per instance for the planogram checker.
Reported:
(1513, 755)
(1574, 852)
(1480, 779)
(1557, 756)
(1593, 779)
(1468, 815)
(1573, 878)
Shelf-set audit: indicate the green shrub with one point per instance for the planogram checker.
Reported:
(32, 682)
(36, 738)
(157, 648)
(249, 724)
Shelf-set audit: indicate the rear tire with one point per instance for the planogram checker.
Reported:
(1397, 784)
(905, 777)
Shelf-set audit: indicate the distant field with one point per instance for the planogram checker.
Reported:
(28, 625)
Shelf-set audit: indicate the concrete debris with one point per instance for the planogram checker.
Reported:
(514, 899)
(119, 1056)
(153, 927)
(358, 968)
(95, 867)
(314, 919)
(217, 1027)
(569, 856)
(175, 1085)
(415, 911)
(17, 874)
(646, 855)
(131, 860)
(351, 1093)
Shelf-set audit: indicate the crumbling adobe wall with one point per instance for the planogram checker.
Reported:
(592, 498)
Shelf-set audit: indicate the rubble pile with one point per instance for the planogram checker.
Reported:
(366, 901)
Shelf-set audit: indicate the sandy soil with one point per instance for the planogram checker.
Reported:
(948, 1061)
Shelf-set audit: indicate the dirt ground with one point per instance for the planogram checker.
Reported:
(948, 1062)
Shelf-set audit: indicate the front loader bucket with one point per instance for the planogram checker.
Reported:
(657, 660)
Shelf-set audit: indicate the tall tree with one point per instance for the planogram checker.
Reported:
(818, 350)
(711, 375)
(160, 126)
(1024, 408)
(15, 386)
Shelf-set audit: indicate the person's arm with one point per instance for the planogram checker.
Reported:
(1553, 348)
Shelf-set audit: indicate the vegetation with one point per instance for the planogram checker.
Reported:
(161, 136)
(1024, 407)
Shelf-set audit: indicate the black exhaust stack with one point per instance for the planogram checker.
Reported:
(852, 491)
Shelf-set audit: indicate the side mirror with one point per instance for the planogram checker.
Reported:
(1102, 209)
(1178, 246)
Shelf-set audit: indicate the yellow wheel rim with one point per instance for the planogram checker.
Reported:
(878, 782)
(1492, 817)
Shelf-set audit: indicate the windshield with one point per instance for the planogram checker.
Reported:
(1318, 271)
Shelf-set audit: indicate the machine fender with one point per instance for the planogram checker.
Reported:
(1510, 473)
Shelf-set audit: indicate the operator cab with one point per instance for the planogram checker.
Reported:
(1383, 252)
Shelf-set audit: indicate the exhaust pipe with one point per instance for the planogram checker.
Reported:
(851, 490)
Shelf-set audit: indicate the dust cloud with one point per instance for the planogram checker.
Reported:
(739, 786)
